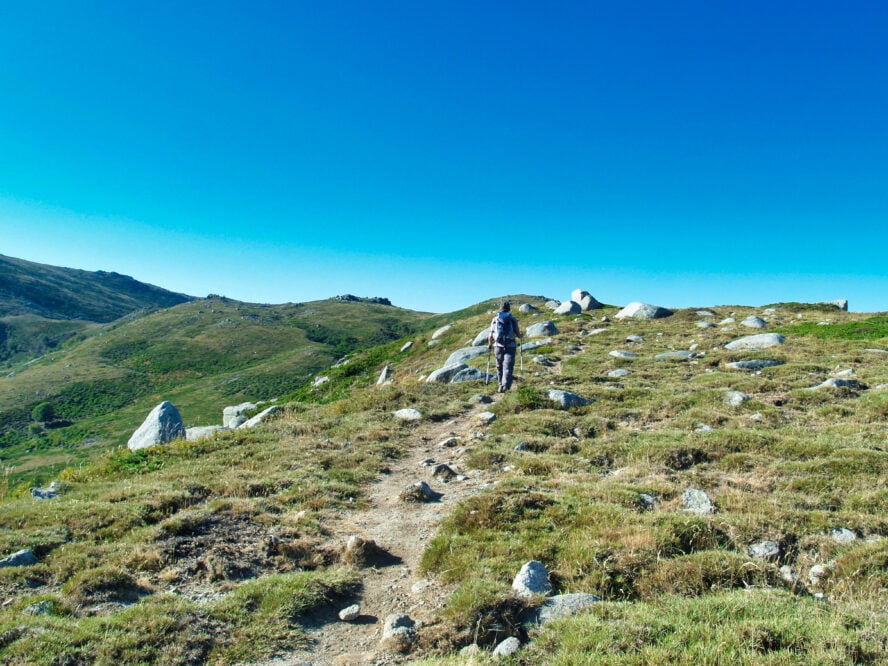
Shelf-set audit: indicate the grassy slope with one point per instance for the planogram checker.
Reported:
(790, 465)
(201, 356)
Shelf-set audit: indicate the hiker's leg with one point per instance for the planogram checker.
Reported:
(508, 367)
(500, 352)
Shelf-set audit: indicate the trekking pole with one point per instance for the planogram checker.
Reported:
(521, 360)
(487, 374)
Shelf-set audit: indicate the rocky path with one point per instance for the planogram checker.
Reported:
(403, 531)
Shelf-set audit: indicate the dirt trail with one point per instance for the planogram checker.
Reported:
(402, 530)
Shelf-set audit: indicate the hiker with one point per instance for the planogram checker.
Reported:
(503, 331)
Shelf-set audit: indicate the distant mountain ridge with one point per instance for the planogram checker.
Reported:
(52, 292)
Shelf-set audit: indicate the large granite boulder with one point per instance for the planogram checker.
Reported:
(162, 425)
(264, 415)
(585, 299)
(568, 308)
(445, 374)
(639, 310)
(566, 399)
(760, 341)
(465, 354)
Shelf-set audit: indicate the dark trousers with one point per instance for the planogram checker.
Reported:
(505, 365)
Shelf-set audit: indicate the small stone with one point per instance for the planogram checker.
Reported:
(816, 574)
(787, 574)
(566, 399)
(398, 632)
(408, 414)
(521, 446)
(754, 322)
(619, 353)
(760, 341)
(407, 345)
(351, 613)
(680, 355)
(838, 383)
(532, 579)
(843, 535)
(21, 558)
(441, 331)
(648, 501)
(697, 501)
(443, 472)
(480, 399)
(703, 427)
(736, 398)
(487, 417)
(634, 339)
(507, 648)
(764, 550)
(754, 364)
(619, 372)
(417, 492)
(449, 442)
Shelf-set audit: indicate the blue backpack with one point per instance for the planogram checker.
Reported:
(504, 331)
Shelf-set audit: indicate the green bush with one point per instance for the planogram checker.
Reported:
(43, 412)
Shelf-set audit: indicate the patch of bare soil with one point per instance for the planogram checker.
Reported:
(401, 530)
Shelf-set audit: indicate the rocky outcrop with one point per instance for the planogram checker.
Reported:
(162, 425)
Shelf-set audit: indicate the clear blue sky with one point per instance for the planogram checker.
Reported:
(441, 153)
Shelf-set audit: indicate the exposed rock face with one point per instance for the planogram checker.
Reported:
(264, 415)
(533, 578)
(639, 310)
(566, 399)
(568, 308)
(21, 558)
(541, 329)
(481, 338)
(163, 425)
(408, 414)
(234, 415)
(760, 341)
(696, 501)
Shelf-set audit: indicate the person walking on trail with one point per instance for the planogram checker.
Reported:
(503, 333)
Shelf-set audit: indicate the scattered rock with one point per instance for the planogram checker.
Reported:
(634, 339)
(532, 579)
(40, 608)
(444, 472)
(566, 399)
(487, 417)
(445, 374)
(568, 308)
(199, 432)
(46, 493)
(697, 501)
(841, 303)
(407, 345)
(318, 381)
(754, 322)
(541, 329)
(639, 310)
(481, 339)
(521, 446)
(705, 313)
(764, 550)
(816, 574)
(787, 574)
(385, 377)
(530, 346)
(839, 383)
(261, 417)
(754, 364)
(398, 632)
(234, 415)
(680, 355)
(760, 341)
(726, 321)
(539, 359)
(620, 353)
(21, 558)
(527, 308)
(408, 414)
(472, 375)
(735, 398)
(847, 372)
(507, 647)
(351, 613)
(162, 425)
(480, 399)
(417, 492)
(449, 442)
(360, 552)
(843, 535)
(619, 372)
(441, 331)
(703, 427)
(552, 304)
(559, 606)
(648, 502)
(705, 324)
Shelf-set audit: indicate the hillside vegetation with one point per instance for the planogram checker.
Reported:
(231, 549)
(201, 355)
(42, 306)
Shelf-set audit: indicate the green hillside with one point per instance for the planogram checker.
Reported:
(232, 549)
(201, 355)
(42, 306)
